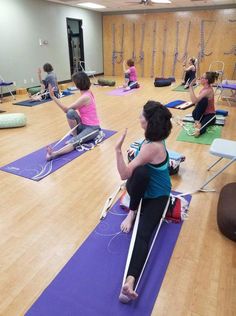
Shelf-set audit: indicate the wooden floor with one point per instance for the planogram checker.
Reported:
(43, 223)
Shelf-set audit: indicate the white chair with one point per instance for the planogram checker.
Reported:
(222, 148)
(5, 84)
(89, 73)
(228, 91)
(217, 66)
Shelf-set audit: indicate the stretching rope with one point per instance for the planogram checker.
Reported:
(164, 50)
(176, 53)
(113, 49)
(185, 55)
(109, 202)
(203, 44)
(115, 53)
(133, 53)
(132, 242)
(153, 48)
(153, 242)
(179, 121)
(48, 165)
(141, 53)
(67, 134)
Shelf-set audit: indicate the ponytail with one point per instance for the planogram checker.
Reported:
(212, 76)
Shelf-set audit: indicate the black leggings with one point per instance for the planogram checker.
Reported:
(198, 115)
(151, 213)
(189, 76)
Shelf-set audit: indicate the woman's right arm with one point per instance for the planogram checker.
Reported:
(83, 100)
(39, 75)
(189, 68)
(195, 99)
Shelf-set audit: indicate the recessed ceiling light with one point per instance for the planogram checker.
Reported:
(91, 5)
(161, 1)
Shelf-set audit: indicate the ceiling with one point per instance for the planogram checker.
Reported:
(137, 5)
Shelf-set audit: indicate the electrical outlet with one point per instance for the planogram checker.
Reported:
(32, 79)
(25, 81)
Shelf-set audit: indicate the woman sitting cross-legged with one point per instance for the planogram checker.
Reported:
(82, 112)
(147, 179)
(204, 111)
(190, 72)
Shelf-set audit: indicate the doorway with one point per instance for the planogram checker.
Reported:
(75, 43)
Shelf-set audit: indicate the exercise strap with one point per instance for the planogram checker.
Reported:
(153, 48)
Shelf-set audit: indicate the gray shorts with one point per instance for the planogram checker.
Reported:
(85, 133)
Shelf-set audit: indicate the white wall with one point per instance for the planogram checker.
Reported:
(24, 22)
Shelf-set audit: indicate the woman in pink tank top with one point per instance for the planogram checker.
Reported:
(130, 75)
(81, 116)
(204, 112)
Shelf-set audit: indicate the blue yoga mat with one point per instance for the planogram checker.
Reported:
(174, 103)
(90, 282)
(35, 167)
(31, 103)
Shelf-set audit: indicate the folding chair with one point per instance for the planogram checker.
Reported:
(228, 86)
(222, 148)
(217, 66)
(4, 84)
(88, 72)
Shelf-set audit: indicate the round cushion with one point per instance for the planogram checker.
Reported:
(226, 211)
(34, 90)
(103, 82)
(12, 120)
(162, 82)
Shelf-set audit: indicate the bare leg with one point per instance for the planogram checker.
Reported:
(127, 291)
(53, 154)
(128, 222)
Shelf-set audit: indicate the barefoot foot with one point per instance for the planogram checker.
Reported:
(49, 155)
(128, 222)
(127, 292)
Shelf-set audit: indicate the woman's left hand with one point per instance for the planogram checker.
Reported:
(121, 141)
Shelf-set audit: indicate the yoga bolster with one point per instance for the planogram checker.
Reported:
(162, 82)
(12, 120)
(34, 90)
(226, 215)
(172, 79)
(103, 82)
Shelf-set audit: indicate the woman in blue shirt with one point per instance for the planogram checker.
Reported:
(148, 179)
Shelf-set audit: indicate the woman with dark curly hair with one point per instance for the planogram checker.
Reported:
(149, 180)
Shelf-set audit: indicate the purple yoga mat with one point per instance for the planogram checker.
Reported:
(120, 92)
(35, 167)
(90, 282)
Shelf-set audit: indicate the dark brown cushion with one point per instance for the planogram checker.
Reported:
(226, 211)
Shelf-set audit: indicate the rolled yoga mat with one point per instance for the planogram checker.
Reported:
(90, 282)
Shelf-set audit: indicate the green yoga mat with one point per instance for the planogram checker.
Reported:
(206, 138)
(181, 88)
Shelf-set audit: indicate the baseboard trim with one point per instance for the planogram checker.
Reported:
(7, 94)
